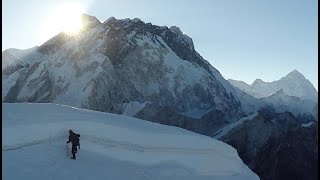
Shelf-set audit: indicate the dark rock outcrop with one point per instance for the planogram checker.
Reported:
(276, 146)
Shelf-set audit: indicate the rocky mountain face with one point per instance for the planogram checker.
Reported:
(126, 67)
(277, 145)
(315, 111)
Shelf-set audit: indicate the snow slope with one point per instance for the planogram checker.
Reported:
(112, 147)
(12, 57)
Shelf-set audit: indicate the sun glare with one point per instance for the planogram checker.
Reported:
(66, 18)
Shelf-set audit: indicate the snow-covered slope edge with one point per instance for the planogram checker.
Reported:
(112, 146)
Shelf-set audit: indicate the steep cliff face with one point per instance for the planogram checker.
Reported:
(122, 66)
(277, 145)
(293, 156)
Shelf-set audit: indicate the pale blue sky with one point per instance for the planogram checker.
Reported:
(243, 39)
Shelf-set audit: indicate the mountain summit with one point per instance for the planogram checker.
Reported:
(124, 66)
(295, 74)
(293, 84)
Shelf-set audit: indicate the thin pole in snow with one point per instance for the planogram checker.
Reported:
(67, 150)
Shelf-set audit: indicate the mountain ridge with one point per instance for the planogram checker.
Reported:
(293, 84)
(121, 64)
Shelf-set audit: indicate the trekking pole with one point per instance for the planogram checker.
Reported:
(67, 150)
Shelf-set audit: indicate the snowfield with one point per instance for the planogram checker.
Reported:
(112, 147)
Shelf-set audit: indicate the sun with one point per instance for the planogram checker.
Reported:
(69, 17)
(66, 18)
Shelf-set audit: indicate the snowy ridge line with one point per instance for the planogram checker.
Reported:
(218, 132)
(223, 131)
(307, 124)
(116, 144)
(22, 145)
(143, 148)
(36, 136)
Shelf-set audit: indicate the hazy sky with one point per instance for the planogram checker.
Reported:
(244, 40)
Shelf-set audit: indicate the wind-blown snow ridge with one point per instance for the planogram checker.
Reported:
(223, 131)
(112, 147)
(307, 124)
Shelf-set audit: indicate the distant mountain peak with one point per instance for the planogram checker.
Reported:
(87, 16)
(295, 74)
(109, 20)
(136, 20)
(182, 35)
(257, 81)
(293, 84)
(89, 22)
(176, 29)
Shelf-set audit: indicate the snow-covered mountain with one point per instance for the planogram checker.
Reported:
(112, 147)
(283, 102)
(293, 84)
(122, 66)
(293, 93)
